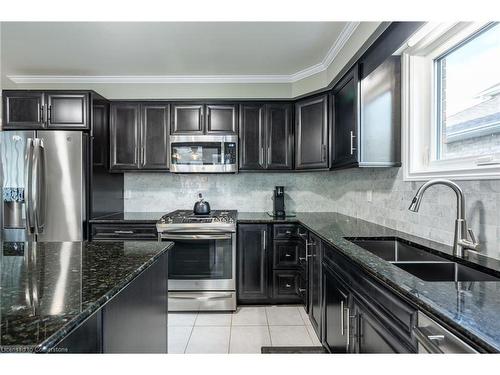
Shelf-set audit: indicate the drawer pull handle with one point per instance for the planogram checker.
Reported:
(288, 286)
(287, 255)
(301, 290)
(124, 232)
(288, 232)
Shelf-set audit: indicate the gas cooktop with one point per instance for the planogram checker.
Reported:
(187, 220)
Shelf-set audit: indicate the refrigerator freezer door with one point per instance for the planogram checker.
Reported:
(61, 186)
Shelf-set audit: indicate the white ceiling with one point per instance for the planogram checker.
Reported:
(284, 49)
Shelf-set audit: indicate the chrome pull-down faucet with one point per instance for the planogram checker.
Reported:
(461, 241)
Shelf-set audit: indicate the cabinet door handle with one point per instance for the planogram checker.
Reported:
(352, 143)
(50, 113)
(264, 245)
(288, 286)
(42, 114)
(342, 317)
(288, 232)
(348, 327)
(261, 155)
(143, 156)
(307, 249)
(323, 152)
(268, 154)
(287, 255)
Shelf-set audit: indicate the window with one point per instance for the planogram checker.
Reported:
(452, 102)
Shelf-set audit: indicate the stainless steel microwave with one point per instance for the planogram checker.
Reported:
(203, 153)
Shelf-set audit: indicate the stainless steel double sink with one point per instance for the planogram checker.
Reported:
(419, 262)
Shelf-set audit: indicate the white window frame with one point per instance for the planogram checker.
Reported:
(418, 102)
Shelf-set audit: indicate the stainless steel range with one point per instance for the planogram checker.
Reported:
(201, 268)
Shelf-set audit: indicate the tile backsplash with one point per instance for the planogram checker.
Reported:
(376, 195)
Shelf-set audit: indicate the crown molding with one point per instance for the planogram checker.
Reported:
(334, 50)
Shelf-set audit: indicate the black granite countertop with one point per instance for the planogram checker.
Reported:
(472, 308)
(129, 217)
(48, 289)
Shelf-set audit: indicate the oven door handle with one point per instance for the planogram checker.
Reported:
(201, 298)
(196, 237)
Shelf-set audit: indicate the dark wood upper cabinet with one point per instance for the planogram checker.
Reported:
(100, 134)
(266, 138)
(311, 133)
(45, 109)
(252, 137)
(253, 278)
(23, 110)
(187, 118)
(279, 136)
(124, 136)
(221, 119)
(67, 110)
(154, 136)
(345, 108)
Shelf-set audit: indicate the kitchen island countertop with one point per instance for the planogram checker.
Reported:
(47, 289)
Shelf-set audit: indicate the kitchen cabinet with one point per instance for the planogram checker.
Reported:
(252, 137)
(345, 120)
(314, 254)
(336, 315)
(200, 118)
(123, 232)
(27, 109)
(311, 133)
(375, 319)
(100, 115)
(270, 270)
(253, 263)
(367, 117)
(187, 118)
(370, 334)
(221, 119)
(139, 136)
(124, 136)
(67, 110)
(266, 137)
(154, 136)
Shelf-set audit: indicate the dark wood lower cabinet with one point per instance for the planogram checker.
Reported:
(370, 335)
(133, 321)
(253, 263)
(315, 282)
(335, 312)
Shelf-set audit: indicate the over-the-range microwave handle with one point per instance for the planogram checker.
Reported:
(166, 236)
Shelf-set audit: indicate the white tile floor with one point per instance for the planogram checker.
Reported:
(244, 331)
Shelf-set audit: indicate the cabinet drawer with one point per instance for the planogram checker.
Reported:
(121, 232)
(288, 254)
(287, 286)
(285, 231)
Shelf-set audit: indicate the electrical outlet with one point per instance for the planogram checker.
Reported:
(369, 195)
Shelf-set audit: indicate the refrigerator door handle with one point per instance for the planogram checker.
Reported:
(28, 181)
(39, 183)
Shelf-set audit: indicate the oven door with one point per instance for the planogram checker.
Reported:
(201, 261)
(203, 154)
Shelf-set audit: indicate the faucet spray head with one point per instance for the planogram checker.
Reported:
(415, 203)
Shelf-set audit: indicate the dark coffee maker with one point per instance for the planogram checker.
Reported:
(279, 201)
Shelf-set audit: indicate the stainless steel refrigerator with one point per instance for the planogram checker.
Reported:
(43, 177)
